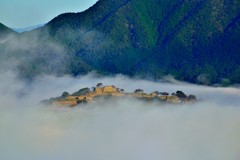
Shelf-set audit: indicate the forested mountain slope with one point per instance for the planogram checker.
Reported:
(197, 41)
(6, 33)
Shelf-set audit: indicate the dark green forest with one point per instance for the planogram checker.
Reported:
(196, 41)
(6, 33)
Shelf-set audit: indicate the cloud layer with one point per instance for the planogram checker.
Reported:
(128, 130)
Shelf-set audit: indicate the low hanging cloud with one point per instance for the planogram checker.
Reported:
(130, 129)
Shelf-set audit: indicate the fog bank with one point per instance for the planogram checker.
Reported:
(128, 130)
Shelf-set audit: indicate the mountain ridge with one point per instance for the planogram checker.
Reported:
(195, 41)
(6, 33)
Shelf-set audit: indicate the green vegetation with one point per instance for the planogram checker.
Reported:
(180, 94)
(195, 41)
(81, 92)
(65, 94)
(6, 33)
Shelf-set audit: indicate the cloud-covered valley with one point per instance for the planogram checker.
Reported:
(130, 130)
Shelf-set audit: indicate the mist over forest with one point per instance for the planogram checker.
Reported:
(194, 41)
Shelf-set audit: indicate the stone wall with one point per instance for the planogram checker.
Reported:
(64, 103)
(98, 90)
(118, 94)
(71, 97)
(109, 89)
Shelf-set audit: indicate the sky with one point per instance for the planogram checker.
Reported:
(26, 13)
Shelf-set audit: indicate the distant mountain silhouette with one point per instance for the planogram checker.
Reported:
(196, 41)
(20, 30)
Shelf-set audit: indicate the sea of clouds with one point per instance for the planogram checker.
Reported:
(130, 129)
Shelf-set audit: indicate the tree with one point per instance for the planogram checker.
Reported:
(122, 90)
(180, 94)
(164, 93)
(191, 97)
(138, 91)
(65, 94)
(156, 92)
(99, 85)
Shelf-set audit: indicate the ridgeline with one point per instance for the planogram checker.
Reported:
(6, 33)
(196, 41)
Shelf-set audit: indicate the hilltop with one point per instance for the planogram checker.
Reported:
(111, 93)
(195, 41)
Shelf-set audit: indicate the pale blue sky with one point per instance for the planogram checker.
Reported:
(25, 13)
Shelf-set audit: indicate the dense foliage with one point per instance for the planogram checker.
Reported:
(81, 92)
(65, 94)
(196, 41)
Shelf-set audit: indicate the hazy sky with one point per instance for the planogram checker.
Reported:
(25, 13)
